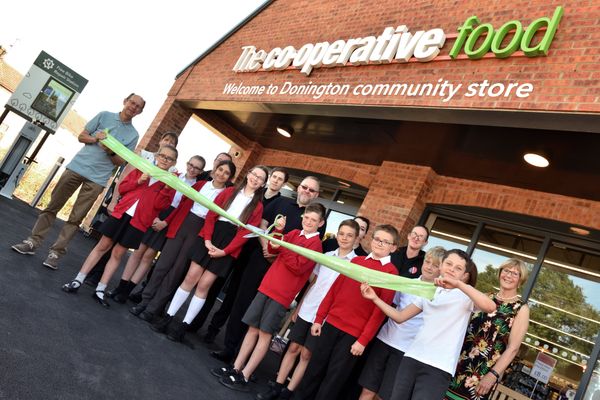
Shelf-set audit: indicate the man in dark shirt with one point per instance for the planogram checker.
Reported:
(260, 260)
(409, 259)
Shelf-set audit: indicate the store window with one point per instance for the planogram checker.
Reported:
(565, 314)
(563, 293)
(494, 246)
(449, 233)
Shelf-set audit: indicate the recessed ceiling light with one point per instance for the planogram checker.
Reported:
(344, 183)
(285, 130)
(579, 231)
(340, 201)
(536, 160)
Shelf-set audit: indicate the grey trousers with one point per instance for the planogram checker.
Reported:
(68, 183)
(172, 265)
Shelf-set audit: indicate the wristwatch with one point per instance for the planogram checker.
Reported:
(496, 374)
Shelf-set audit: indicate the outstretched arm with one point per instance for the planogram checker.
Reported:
(481, 300)
(398, 316)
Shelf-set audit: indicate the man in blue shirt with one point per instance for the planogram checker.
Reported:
(89, 170)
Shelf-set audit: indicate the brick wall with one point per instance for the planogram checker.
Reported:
(172, 117)
(567, 80)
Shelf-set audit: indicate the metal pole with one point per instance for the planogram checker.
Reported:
(4, 114)
(46, 183)
(31, 159)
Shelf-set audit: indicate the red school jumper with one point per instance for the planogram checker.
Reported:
(152, 200)
(290, 271)
(346, 309)
(235, 246)
(176, 218)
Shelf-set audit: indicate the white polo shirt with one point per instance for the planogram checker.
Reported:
(237, 206)
(401, 336)
(316, 294)
(445, 321)
(208, 191)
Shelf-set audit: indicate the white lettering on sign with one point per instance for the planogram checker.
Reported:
(400, 45)
(441, 89)
(393, 44)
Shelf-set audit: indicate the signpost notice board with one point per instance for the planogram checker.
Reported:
(47, 92)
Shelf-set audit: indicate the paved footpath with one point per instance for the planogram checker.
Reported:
(55, 345)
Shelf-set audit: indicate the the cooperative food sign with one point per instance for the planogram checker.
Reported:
(400, 45)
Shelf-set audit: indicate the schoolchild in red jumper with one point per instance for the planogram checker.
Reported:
(303, 316)
(280, 285)
(143, 198)
(350, 323)
(183, 226)
(217, 246)
(140, 261)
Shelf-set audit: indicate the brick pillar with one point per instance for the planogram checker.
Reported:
(396, 195)
(172, 117)
(248, 157)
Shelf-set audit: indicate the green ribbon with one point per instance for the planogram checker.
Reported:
(356, 272)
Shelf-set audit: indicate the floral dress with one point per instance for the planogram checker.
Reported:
(486, 340)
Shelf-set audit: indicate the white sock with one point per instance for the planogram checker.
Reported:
(100, 288)
(195, 306)
(177, 301)
(80, 277)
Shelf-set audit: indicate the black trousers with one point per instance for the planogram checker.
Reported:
(172, 265)
(418, 381)
(329, 367)
(250, 281)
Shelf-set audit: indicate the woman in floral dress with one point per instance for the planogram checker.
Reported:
(492, 340)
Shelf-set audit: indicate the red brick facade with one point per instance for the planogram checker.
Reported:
(567, 80)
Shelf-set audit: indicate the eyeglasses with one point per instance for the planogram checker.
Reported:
(416, 236)
(382, 242)
(189, 164)
(309, 189)
(514, 274)
(258, 177)
(165, 157)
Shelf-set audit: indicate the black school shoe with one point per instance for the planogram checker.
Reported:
(137, 310)
(222, 355)
(135, 297)
(271, 394)
(71, 287)
(161, 324)
(222, 372)
(100, 300)
(176, 331)
(236, 382)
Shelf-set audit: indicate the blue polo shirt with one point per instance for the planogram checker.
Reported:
(91, 161)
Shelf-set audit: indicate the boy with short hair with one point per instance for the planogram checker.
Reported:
(379, 372)
(301, 340)
(351, 322)
(279, 287)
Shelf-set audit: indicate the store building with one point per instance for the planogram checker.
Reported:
(418, 112)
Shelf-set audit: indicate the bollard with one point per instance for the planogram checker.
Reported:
(46, 183)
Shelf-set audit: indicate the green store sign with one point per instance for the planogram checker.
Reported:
(399, 45)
